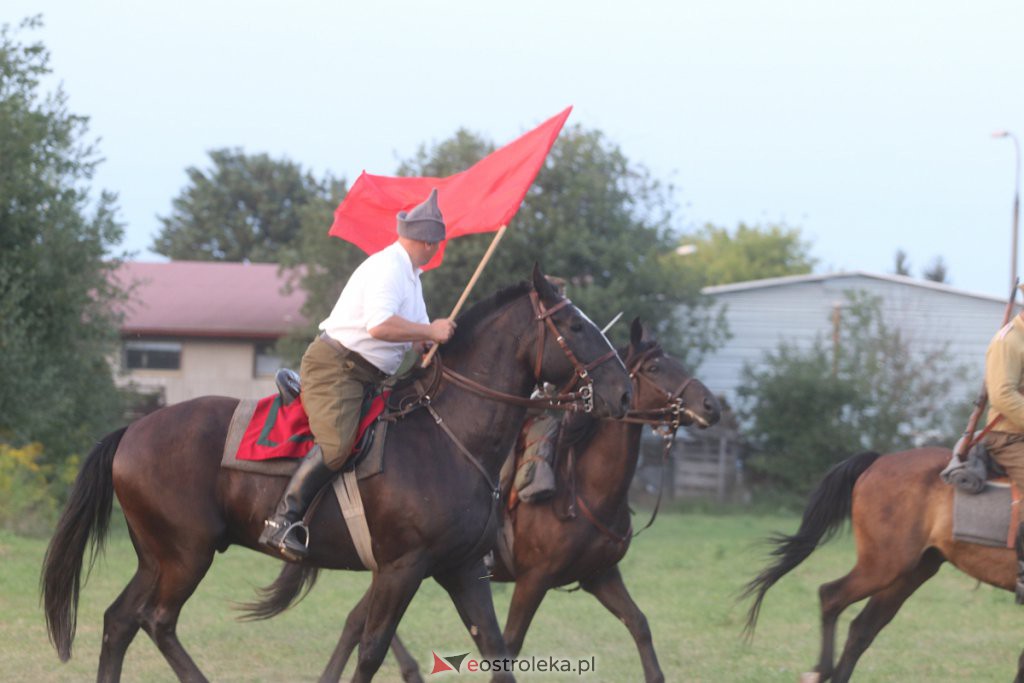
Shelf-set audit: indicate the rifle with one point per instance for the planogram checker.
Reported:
(967, 440)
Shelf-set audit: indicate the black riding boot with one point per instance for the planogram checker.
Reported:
(284, 532)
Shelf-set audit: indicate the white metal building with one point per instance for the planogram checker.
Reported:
(797, 309)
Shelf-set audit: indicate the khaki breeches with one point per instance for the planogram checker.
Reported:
(333, 387)
(1007, 449)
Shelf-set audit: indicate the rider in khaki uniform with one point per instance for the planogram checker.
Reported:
(1004, 381)
(377, 317)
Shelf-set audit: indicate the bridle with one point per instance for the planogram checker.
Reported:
(578, 393)
(667, 418)
(581, 375)
(565, 399)
(664, 421)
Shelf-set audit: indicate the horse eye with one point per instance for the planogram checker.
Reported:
(653, 367)
(576, 325)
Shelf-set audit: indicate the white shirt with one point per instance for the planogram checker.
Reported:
(383, 285)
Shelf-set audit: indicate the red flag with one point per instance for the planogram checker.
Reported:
(482, 198)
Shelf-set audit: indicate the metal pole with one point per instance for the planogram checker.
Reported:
(1016, 200)
(1016, 207)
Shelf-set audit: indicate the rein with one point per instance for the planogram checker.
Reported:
(567, 400)
(582, 400)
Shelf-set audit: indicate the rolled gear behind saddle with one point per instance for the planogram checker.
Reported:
(535, 475)
(971, 476)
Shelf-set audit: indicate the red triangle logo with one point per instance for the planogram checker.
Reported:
(440, 665)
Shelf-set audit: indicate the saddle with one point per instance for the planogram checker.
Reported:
(289, 388)
(271, 435)
(528, 475)
(283, 418)
(985, 509)
(288, 385)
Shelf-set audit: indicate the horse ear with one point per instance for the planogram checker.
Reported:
(540, 283)
(636, 333)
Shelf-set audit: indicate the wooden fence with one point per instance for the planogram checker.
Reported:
(702, 464)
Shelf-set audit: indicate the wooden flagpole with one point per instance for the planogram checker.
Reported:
(465, 293)
(962, 446)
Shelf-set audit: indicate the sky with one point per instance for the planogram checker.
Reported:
(867, 125)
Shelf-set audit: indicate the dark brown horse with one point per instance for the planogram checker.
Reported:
(431, 512)
(552, 548)
(901, 513)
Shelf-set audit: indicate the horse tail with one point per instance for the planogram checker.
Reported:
(86, 517)
(828, 507)
(288, 589)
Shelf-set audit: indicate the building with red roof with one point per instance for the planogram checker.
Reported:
(193, 328)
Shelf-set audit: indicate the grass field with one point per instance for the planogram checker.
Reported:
(684, 572)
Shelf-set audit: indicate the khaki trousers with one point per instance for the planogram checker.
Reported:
(333, 388)
(1007, 449)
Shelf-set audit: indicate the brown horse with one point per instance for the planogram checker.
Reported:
(901, 513)
(430, 512)
(553, 545)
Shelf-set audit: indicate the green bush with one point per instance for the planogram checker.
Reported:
(31, 492)
(868, 388)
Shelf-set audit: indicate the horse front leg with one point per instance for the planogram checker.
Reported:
(470, 589)
(390, 593)
(355, 622)
(409, 667)
(350, 634)
(529, 592)
(611, 591)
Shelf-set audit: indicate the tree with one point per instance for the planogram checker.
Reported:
(937, 271)
(593, 218)
(749, 253)
(318, 264)
(245, 208)
(874, 390)
(901, 266)
(56, 294)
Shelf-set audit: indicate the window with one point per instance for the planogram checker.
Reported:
(149, 355)
(267, 361)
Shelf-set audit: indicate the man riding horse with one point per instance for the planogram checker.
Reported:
(362, 342)
(1004, 438)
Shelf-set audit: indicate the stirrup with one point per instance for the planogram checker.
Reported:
(278, 539)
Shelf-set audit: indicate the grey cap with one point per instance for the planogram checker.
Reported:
(424, 222)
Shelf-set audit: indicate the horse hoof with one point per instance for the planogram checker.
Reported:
(810, 677)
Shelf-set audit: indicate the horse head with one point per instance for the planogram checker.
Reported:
(570, 352)
(664, 387)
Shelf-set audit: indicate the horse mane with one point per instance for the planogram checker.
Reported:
(467, 322)
(578, 428)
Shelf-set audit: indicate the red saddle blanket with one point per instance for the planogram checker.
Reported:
(282, 431)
